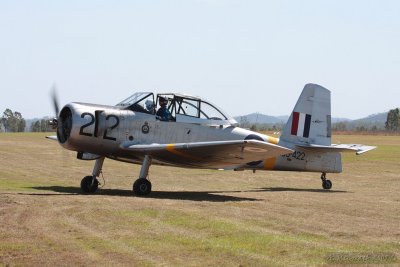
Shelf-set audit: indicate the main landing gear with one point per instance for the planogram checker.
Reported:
(89, 184)
(142, 186)
(326, 184)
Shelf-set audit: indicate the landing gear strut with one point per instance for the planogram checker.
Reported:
(326, 184)
(142, 186)
(89, 184)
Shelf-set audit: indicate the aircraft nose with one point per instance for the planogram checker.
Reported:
(64, 125)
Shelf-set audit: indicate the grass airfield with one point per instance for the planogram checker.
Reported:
(196, 217)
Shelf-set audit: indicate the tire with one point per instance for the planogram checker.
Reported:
(327, 184)
(86, 185)
(142, 187)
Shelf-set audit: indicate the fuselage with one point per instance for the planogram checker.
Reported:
(102, 130)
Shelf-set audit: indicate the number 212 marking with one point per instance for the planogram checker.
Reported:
(95, 120)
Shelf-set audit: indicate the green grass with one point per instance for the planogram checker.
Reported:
(196, 217)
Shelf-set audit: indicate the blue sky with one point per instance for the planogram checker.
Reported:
(245, 56)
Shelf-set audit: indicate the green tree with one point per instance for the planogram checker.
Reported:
(393, 120)
(13, 121)
(41, 126)
(35, 127)
(44, 126)
(340, 126)
(6, 119)
(254, 127)
(19, 122)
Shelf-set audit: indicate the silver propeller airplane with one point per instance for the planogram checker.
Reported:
(191, 132)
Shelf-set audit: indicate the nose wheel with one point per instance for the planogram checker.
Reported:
(326, 184)
(90, 184)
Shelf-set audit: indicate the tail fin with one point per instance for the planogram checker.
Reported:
(310, 121)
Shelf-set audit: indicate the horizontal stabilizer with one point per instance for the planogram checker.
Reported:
(358, 148)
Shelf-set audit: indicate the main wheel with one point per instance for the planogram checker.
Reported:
(142, 187)
(86, 184)
(327, 184)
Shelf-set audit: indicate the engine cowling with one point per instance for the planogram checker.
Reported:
(89, 128)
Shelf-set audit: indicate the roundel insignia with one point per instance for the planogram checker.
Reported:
(146, 128)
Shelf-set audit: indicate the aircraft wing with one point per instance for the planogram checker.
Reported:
(358, 148)
(214, 154)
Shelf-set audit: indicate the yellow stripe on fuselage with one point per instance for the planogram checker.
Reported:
(269, 164)
(171, 148)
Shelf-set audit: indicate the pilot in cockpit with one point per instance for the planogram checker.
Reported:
(150, 106)
(163, 113)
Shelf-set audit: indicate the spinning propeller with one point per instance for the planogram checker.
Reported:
(63, 119)
(54, 121)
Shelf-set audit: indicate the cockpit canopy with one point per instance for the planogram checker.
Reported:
(183, 108)
(139, 102)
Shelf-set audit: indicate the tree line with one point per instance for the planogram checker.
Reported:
(14, 122)
(41, 125)
(392, 124)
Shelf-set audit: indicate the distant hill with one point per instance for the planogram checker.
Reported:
(259, 118)
(379, 117)
(377, 120)
(335, 120)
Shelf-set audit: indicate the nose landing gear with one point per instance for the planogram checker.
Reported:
(90, 184)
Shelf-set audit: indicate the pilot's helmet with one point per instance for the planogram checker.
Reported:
(162, 100)
(149, 104)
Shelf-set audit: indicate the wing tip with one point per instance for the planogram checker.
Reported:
(52, 137)
(365, 149)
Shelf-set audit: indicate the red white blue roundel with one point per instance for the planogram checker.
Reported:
(301, 123)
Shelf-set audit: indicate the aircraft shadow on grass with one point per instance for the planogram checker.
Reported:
(211, 196)
(286, 189)
(178, 195)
